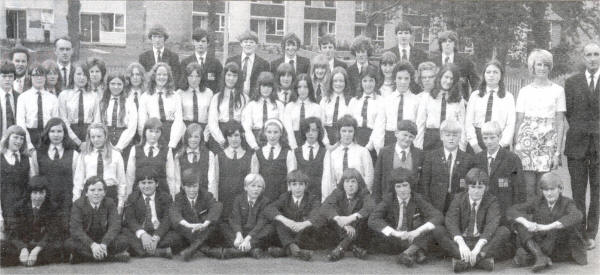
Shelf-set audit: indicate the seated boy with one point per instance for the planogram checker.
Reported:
(34, 231)
(95, 226)
(548, 228)
(348, 208)
(194, 213)
(472, 236)
(247, 231)
(146, 220)
(403, 220)
(444, 169)
(296, 217)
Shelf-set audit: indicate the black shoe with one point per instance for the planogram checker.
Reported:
(122, 257)
(74, 259)
(303, 254)
(164, 253)
(256, 253)
(359, 252)
(276, 252)
(421, 257)
(336, 254)
(459, 265)
(486, 264)
(187, 254)
(216, 252)
(230, 253)
(522, 258)
(541, 263)
(405, 259)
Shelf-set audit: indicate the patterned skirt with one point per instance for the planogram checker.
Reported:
(536, 143)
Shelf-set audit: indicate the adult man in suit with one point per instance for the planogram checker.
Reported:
(448, 45)
(146, 220)
(21, 59)
(158, 35)
(250, 63)
(401, 154)
(327, 47)
(194, 214)
(548, 227)
(211, 67)
(582, 146)
(63, 49)
(34, 231)
(403, 220)
(290, 45)
(472, 235)
(404, 51)
(362, 49)
(444, 169)
(8, 97)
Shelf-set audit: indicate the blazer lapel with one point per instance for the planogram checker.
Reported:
(410, 212)
(499, 159)
(395, 212)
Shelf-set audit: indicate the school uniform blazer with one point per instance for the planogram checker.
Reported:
(242, 217)
(582, 115)
(336, 204)
(563, 211)
(169, 57)
(206, 208)
(135, 212)
(284, 205)
(302, 65)
(259, 65)
(81, 220)
(506, 179)
(23, 230)
(467, 71)
(385, 165)
(416, 56)
(488, 215)
(418, 212)
(434, 179)
(211, 70)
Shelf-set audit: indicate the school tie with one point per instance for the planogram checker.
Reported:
(443, 112)
(10, 115)
(293, 65)
(115, 114)
(449, 167)
(151, 151)
(336, 110)
(472, 217)
(272, 153)
(302, 112)
(403, 156)
(194, 156)
(402, 217)
(285, 96)
(80, 116)
(40, 114)
(17, 159)
(245, 68)
(264, 112)
(56, 155)
(403, 54)
(148, 226)
(318, 93)
(195, 106)
(400, 108)
(65, 79)
(298, 204)
(100, 165)
(345, 160)
(490, 163)
(311, 155)
(136, 101)
(159, 56)
(161, 107)
(488, 110)
(193, 205)
(234, 154)
(363, 112)
(592, 88)
(36, 214)
(230, 107)
(446, 60)
(201, 62)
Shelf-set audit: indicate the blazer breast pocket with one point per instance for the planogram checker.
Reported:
(503, 183)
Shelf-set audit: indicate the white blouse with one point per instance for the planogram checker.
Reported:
(503, 112)
(252, 117)
(220, 113)
(114, 173)
(328, 107)
(187, 102)
(291, 119)
(129, 122)
(173, 112)
(359, 158)
(542, 102)
(429, 116)
(375, 114)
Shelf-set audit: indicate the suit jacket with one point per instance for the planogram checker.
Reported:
(468, 75)
(385, 165)
(302, 65)
(169, 57)
(416, 56)
(81, 220)
(24, 230)
(582, 115)
(135, 212)
(70, 76)
(243, 219)
(206, 208)
(284, 205)
(211, 71)
(488, 215)
(565, 211)
(337, 204)
(434, 179)
(506, 181)
(418, 212)
(259, 65)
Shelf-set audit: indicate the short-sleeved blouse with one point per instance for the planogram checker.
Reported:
(542, 102)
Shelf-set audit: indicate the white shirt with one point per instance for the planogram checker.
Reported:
(328, 107)
(541, 102)
(27, 109)
(297, 201)
(429, 114)
(114, 171)
(398, 150)
(173, 112)
(248, 70)
(450, 58)
(388, 229)
(162, 53)
(503, 112)
(375, 113)
(59, 148)
(220, 113)
(153, 219)
(130, 120)
(60, 69)
(187, 103)
(203, 56)
(284, 95)
(290, 159)
(306, 150)
(252, 117)
(359, 158)
(19, 84)
(390, 113)
(407, 49)
(69, 108)
(331, 65)
(287, 60)
(291, 118)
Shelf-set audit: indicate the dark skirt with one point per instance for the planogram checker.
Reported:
(80, 130)
(299, 138)
(363, 134)
(332, 134)
(479, 141)
(212, 144)
(389, 138)
(431, 139)
(35, 136)
(165, 135)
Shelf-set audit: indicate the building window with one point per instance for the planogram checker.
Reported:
(326, 28)
(201, 21)
(329, 3)
(359, 30)
(112, 22)
(421, 34)
(360, 5)
(274, 26)
(221, 23)
(254, 25)
(379, 31)
(277, 1)
(307, 3)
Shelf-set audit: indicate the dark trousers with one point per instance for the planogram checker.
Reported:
(361, 238)
(51, 253)
(309, 238)
(196, 237)
(583, 171)
(84, 252)
(393, 245)
(498, 247)
(262, 239)
(561, 245)
(171, 239)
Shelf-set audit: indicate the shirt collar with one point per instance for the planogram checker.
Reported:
(400, 48)
(493, 155)
(315, 146)
(200, 56)
(399, 149)
(188, 150)
(59, 147)
(451, 56)
(151, 197)
(253, 201)
(287, 59)
(454, 153)
(296, 200)
(371, 96)
(250, 57)
(61, 66)
(478, 203)
(407, 200)
(162, 50)
(147, 146)
(277, 146)
(488, 89)
(192, 199)
(596, 75)
(3, 92)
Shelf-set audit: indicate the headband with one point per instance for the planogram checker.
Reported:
(275, 121)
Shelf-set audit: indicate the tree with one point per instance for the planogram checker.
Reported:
(73, 26)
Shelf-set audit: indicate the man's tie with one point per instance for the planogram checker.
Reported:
(592, 88)
(490, 163)
(136, 101)
(400, 108)
(159, 56)
(446, 60)
(336, 110)
(56, 154)
(194, 156)
(403, 156)
(193, 204)
(449, 167)
(80, 109)
(311, 155)
(10, 115)
(17, 159)
(161, 107)
(40, 114)
(234, 154)
(36, 214)
(345, 160)
(195, 106)
(151, 152)
(201, 62)
(488, 110)
(403, 55)
(100, 165)
(472, 217)
(443, 112)
(264, 112)
(293, 65)
(302, 112)
(231, 106)
(318, 93)
(65, 78)
(272, 153)
(250, 204)
(115, 113)
(402, 221)
(363, 112)
(245, 68)
(148, 226)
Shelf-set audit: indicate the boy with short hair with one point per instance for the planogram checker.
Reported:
(403, 220)
(194, 214)
(548, 228)
(211, 67)
(327, 47)
(290, 44)
(473, 237)
(251, 65)
(295, 215)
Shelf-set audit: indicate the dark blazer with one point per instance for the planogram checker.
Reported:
(81, 220)
(211, 72)
(384, 166)
(434, 179)
(337, 204)
(302, 65)
(169, 57)
(135, 212)
(468, 75)
(23, 230)
(488, 215)
(206, 208)
(259, 65)
(418, 212)
(563, 211)
(416, 56)
(339, 63)
(582, 115)
(506, 181)
(242, 217)
(284, 205)
(70, 76)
